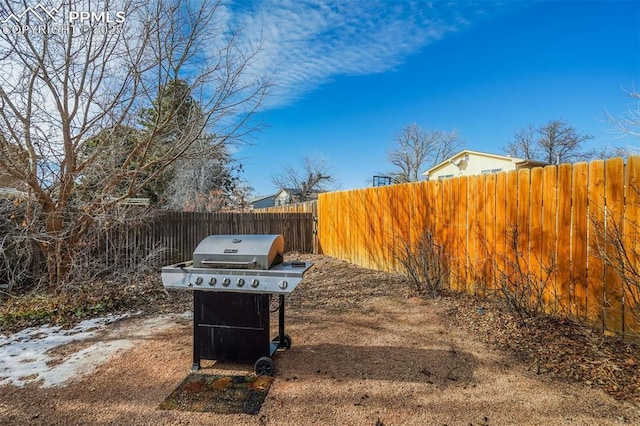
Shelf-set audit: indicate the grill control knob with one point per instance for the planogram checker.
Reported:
(199, 281)
(212, 281)
(255, 283)
(240, 282)
(226, 282)
(283, 284)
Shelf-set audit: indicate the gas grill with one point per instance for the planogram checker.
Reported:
(233, 278)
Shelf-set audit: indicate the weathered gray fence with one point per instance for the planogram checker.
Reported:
(174, 235)
(305, 207)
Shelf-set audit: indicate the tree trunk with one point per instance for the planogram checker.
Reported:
(55, 246)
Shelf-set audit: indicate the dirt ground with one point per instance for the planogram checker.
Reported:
(363, 353)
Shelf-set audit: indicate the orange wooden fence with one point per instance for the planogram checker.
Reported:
(549, 222)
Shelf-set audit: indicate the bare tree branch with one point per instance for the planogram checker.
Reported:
(312, 175)
(554, 142)
(415, 150)
(629, 122)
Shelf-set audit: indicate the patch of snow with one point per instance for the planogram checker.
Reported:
(24, 355)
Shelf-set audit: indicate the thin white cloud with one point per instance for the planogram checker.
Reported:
(307, 43)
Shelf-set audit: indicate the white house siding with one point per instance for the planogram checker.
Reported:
(282, 198)
(475, 166)
(467, 163)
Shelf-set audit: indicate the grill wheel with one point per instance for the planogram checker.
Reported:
(283, 343)
(264, 366)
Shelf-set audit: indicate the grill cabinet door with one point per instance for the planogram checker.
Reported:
(230, 326)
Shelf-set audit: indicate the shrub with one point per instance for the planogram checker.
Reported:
(424, 264)
(523, 290)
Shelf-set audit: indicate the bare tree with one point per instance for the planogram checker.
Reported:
(312, 175)
(88, 83)
(415, 150)
(613, 152)
(629, 122)
(554, 142)
(524, 144)
(201, 176)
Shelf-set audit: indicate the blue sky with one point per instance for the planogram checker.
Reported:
(350, 74)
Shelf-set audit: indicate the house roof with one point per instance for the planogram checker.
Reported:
(461, 154)
(261, 197)
(296, 191)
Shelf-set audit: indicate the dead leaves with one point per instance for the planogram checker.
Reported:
(555, 347)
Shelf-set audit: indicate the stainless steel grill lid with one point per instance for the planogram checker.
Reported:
(239, 251)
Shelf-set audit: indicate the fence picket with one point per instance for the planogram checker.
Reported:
(631, 230)
(536, 261)
(454, 255)
(614, 198)
(511, 221)
(501, 227)
(580, 180)
(490, 231)
(564, 240)
(463, 242)
(523, 220)
(474, 236)
(548, 252)
(595, 265)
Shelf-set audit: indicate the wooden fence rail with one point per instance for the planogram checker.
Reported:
(552, 223)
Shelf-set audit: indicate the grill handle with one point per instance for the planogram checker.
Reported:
(226, 262)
